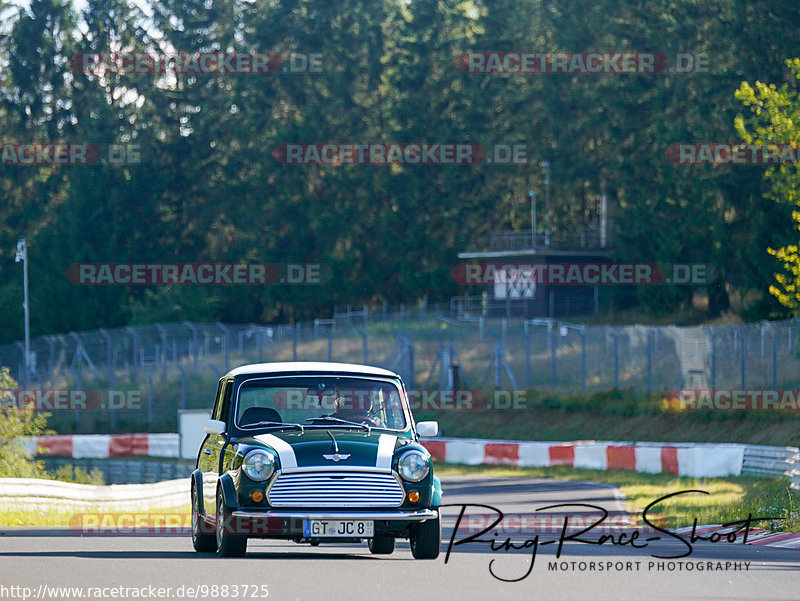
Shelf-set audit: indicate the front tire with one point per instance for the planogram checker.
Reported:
(228, 544)
(426, 539)
(202, 542)
(381, 544)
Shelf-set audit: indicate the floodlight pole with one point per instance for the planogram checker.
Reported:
(533, 218)
(22, 255)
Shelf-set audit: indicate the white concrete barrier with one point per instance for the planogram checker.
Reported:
(702, 460)
(27, 494)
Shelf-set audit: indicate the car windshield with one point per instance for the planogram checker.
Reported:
(320, 401)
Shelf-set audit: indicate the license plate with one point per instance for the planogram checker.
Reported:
(338, 529)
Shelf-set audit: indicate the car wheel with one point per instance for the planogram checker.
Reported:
(426, 539)
(228, 544)
(381, 544)
(202, 543)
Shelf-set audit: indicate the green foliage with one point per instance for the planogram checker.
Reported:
(78, 475)
(775, 119)
(15, 460)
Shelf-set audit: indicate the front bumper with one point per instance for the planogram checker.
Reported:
(289, 522)
(414, 515)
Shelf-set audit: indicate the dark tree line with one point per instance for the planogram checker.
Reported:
(208, 188)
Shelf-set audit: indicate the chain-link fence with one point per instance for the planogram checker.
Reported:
(139, 377)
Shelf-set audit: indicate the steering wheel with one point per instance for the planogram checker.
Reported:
(372, 421)
(361, 417)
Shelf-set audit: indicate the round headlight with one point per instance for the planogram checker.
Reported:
(413, 466)
(258, 465)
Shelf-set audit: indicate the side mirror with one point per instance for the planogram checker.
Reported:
(214, 426)
(428, 428)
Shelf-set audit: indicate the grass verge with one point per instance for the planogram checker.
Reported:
(616, 415)
(729, 499)
(65, 519)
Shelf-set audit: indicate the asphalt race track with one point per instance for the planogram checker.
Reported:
(31, 558)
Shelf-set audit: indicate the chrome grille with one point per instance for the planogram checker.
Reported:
(335, 489)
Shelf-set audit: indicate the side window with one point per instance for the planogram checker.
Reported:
(226, 400)
(217, 404)
(223, 401)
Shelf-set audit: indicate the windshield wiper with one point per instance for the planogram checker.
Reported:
(275, 425)
(337, 420)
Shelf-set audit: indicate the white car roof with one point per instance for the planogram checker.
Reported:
(300, 367)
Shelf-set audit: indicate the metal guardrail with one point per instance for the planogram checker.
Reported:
(127, 471)
(774, 462)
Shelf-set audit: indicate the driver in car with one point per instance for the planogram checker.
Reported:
(362, 406)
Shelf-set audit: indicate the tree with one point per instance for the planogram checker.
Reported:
(775, 119)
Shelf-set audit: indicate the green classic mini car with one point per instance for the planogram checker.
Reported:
(314, 453)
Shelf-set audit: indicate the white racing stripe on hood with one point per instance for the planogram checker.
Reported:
(283, 448)
(385, 451)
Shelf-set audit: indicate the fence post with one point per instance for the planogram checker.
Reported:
(527, 357)
(183, 385)
(649, 362)
(330, 344)
(410, 347)
(77, 375)
(23, 367)
(743, 363)
(615, 337)
(51, 362)
(295, 334)
(112, 420)
(109, 347)
(163, 334)
(583, 359)
(774, 359)
(712, 341)
(364, 347)
(225, 345)
(553, 355)
(135, 348)
(498, 374)
(195, 343)
(149, 398)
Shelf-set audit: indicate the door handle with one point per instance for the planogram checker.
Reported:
(207, 451)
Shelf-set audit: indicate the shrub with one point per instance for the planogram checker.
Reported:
(71, 473)
(15, 424)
